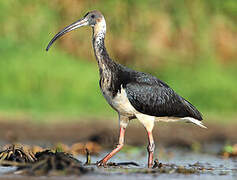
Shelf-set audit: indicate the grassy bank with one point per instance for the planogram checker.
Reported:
(36, 82)
(190, 45)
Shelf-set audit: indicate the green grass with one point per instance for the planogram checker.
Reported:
(181, 42)
(34, 81)
(37, 83)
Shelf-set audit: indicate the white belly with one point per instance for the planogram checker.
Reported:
(122, 105)
(120, 102)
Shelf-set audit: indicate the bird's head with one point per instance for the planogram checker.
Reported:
(93, 18)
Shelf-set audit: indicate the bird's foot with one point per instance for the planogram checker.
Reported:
(101, 163)
(157, 164)
(150, 165)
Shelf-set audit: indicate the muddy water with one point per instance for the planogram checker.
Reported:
(213, 167)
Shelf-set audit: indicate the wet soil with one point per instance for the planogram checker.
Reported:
(184, 151)
(181, 165)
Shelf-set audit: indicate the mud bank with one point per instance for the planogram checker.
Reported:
(106, 133)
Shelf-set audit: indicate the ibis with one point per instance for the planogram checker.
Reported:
(133, 94)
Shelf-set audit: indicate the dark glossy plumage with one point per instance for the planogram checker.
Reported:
(157, 99)
(151, 96)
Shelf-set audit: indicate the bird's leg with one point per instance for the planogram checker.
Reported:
(123, 124)
(150, 149)
(148, 123)
(117, 149)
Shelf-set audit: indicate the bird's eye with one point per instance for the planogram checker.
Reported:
(93, 16)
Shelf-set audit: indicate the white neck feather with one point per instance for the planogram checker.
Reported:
(100, 28)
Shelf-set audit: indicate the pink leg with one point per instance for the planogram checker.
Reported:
(117, 149)
(150, 149)
(148, 123)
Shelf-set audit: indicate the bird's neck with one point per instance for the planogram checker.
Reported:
(102, 57)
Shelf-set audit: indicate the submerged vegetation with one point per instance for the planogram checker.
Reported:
(189, 44)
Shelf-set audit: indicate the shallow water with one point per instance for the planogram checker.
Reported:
(214, 167)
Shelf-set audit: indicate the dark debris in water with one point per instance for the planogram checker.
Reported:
(51, 162)
(42, 162)
(162, 168)
(196, 168)
(121, 164)
(16, 153)
(54, 163)
(172, 168)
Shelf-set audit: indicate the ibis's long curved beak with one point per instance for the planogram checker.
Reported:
(75, 25)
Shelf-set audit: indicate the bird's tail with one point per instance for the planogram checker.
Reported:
(194, 121)
(184, 119)
(192, 110)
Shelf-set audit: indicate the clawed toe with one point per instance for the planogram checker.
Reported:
(100, 163)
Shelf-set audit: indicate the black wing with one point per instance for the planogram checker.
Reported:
(153, 97)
